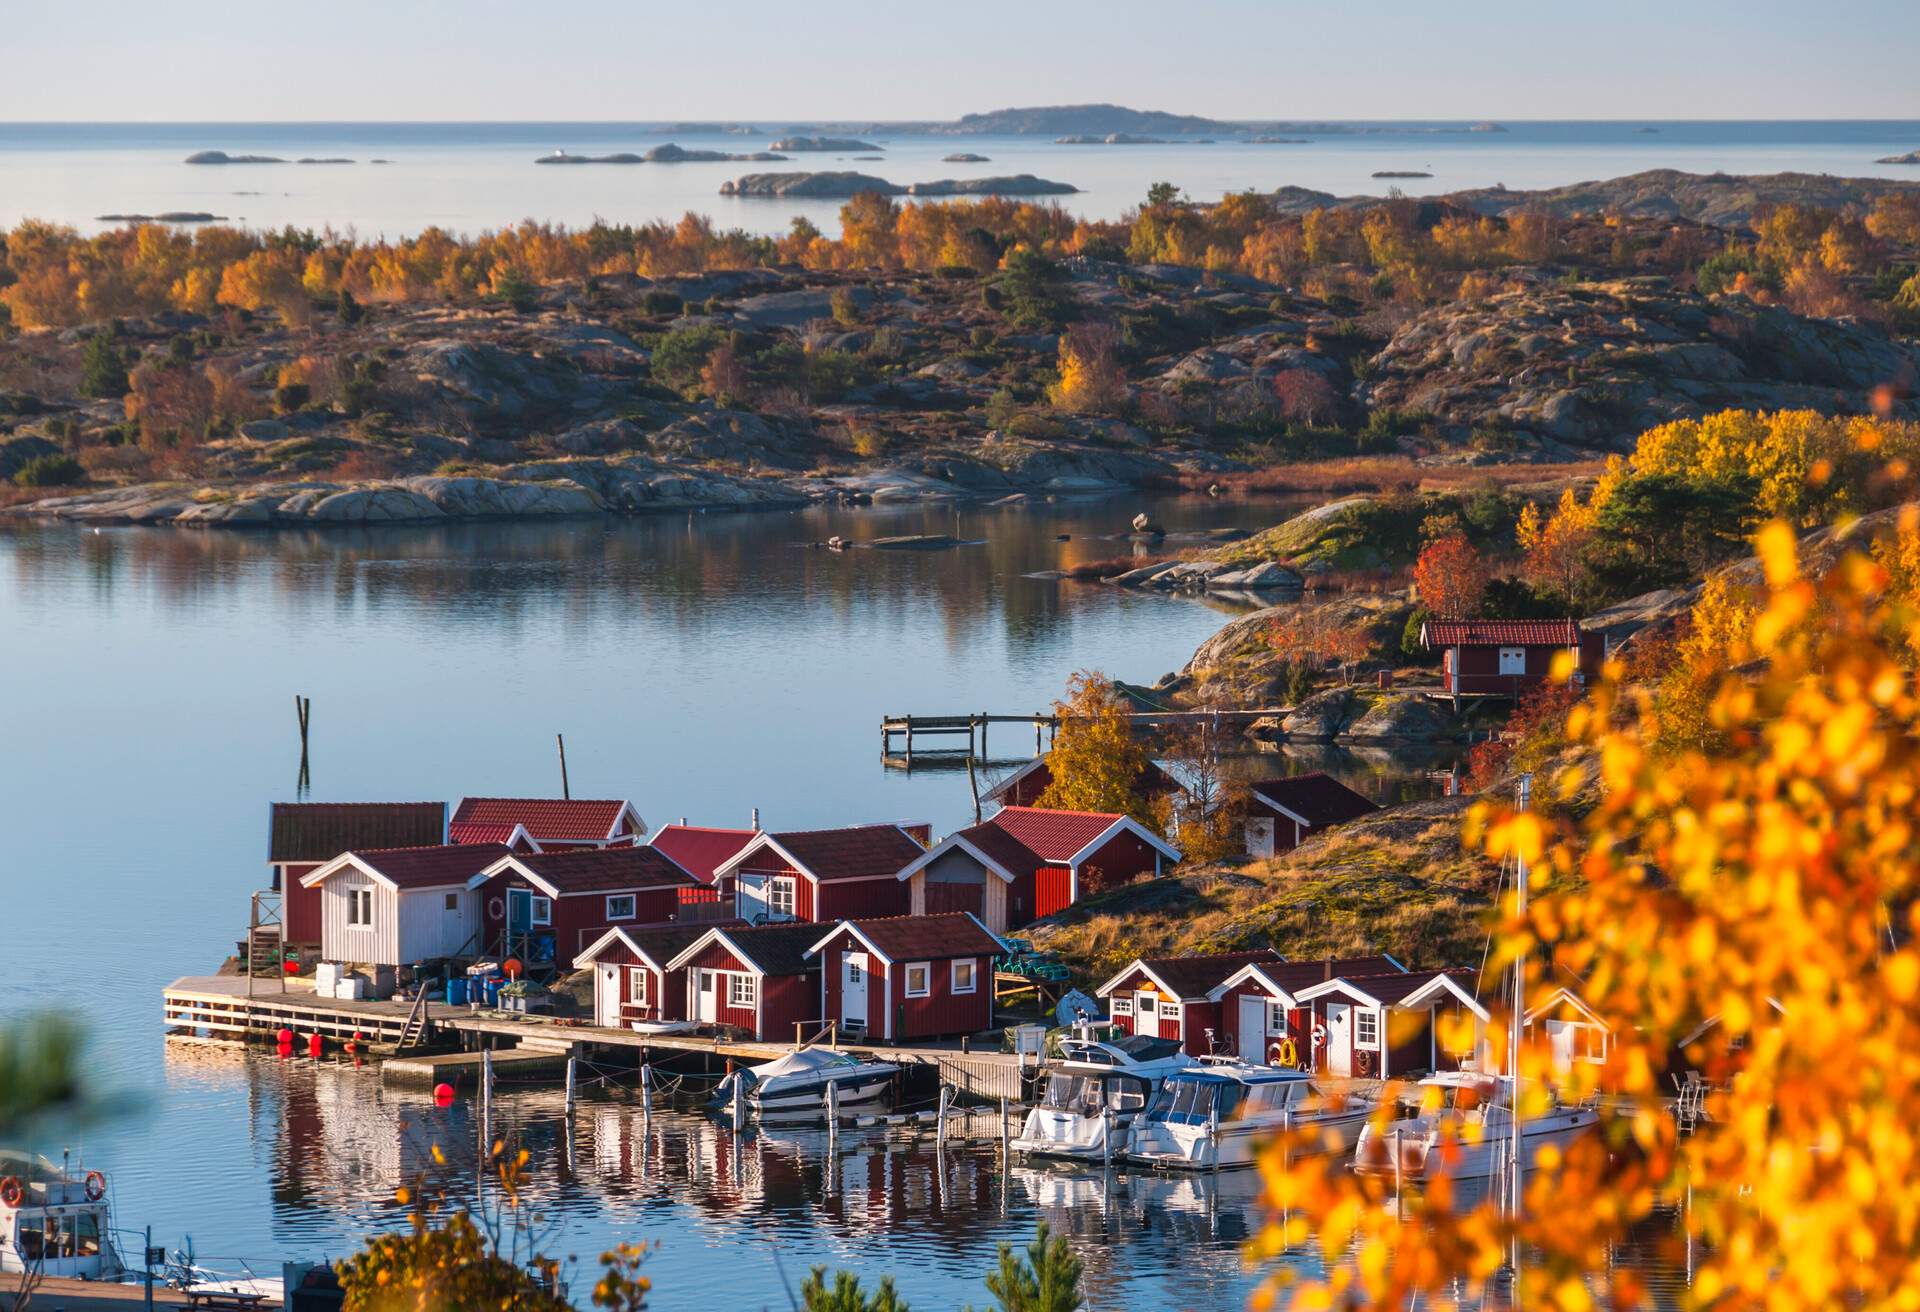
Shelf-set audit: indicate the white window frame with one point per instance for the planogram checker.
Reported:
(742, 990)
(1590, 1042)
(637, 985)
(452, 902)
(926, 979)
(540, 910)
(1364, 1019)
(972, 969)
(1120, 1005)
(1513, 660)
(633, 906)
(1169, 1011)
(1276, 1017)
(783, 898)
(360, 908)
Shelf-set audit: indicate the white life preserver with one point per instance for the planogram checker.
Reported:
(1319, 1035)
(496, 908)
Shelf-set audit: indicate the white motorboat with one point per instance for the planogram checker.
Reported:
(1218, 1114)
(53, 1221)
(795, 1086)
(1460, 1123)
(1092, 1094)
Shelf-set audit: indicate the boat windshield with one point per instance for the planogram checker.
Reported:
(1455, 1097)
(1193, 1102)
(1089, 1095)
(48, 1238)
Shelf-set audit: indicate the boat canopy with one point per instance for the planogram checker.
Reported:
(807, 1061)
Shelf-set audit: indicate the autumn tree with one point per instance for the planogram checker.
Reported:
(1096, 763)
(1305, 396)
(1554, 548)
(1206, 812)
(1749, 902)
(1450, 576)
(1091, 379)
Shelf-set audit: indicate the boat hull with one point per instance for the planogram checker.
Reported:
(1064, 1135)
(1419, 1162)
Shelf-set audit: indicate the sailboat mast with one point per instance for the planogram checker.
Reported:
(1519, 1008)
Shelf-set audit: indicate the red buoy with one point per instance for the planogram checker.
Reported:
(314, 1045)
(285, 1036)
(443, 1094)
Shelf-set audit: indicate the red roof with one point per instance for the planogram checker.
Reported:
(607, 870)
(480, 833)
(855, 852)
(548, 819)
(1500, 633)
(1194, 977)
(430, 867)
(700, 851)
(1055, 837)
(926, 938)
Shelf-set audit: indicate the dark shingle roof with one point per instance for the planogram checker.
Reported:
(608, 870)
(1193, 977)
(856, 852)
(431, 867)
(1296, 975)
(928, 938)
(321, 831)
(1317, 798)
(778, 949)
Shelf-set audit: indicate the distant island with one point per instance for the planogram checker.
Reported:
(311, 160)
(963, 157)
(1111, 139)
(1079, 120)
(1486, 127)
(1911, 157)
(221, 157)
(1275, 141)
(849, 144)
(842, 185)
(1401, 173)
(666, 154)
(165, 216)
(1646, 132)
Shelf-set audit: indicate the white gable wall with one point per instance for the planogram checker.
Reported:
(378, 944)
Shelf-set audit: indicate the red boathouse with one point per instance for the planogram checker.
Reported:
(547, 906)
(1510, 656)
(820, 875)
(303, 836)
(908, 977)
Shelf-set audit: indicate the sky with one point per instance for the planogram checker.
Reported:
(223, 60)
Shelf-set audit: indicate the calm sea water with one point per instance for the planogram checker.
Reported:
(699, 665)
(470, 177)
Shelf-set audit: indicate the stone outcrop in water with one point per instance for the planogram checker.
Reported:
(221, 157)
(848, 144)
(842, 185)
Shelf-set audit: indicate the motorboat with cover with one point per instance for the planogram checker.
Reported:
(1219, 1112)
(1092, 1093)
(1460, 1123)
(795, 1086)
(53, 1221)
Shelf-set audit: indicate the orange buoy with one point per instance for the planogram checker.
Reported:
(443, 1094)
(512, 967)
(315, 1045)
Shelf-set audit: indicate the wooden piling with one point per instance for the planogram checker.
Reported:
(565, 792)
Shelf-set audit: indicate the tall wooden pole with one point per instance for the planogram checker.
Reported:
(561, 739)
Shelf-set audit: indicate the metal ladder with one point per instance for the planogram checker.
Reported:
(415, 1030)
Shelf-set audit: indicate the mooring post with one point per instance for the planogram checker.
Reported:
(1106, 1138)
(646, 1091)
(940, 1125)
(833, 1116)
(565, 792)
(973, 786)
(570, 1065)
(909, 739)
(1036, 733)
(1006, 1140)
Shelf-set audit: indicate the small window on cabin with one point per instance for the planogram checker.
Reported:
(919, 979)
(453, 902)
(1169, 1011)
(963, 976)
(1276, 1017)
(360, 906)
(1120, 1005)
(1366, 1029)
(621, 907)
(740, 990)
(1513, 660)
(1590, 1043)
(780, 898)
(637, 987)
(542, 911)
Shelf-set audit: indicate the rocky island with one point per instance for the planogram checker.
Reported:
(1110, 139)
(844, 185)
(665, 154)
(1911, 157)
(963, 157)
(221, 157)
(846, 144)
(1079, 120)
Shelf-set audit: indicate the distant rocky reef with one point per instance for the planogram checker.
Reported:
(165, 216)
(221, 157)
(1096, 121)
(1401, 173)
(666, 154)
(963, 157)
(848, 144)
(842, 185)
(1911, 157)
(1111, 139)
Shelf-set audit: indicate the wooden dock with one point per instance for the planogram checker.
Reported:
(1045, 725)
(218, 1006)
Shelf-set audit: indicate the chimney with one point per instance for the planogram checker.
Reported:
(1326, 971)
(683, 822)
(756, 819)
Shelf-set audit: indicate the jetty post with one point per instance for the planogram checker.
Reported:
(646, 1091)
(570, 1067)
(940, 1125)
(561, 739)
(1006, 1143)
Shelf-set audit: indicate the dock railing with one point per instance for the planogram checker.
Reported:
(829, 1029)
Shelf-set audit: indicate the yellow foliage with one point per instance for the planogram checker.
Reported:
(1096, 763)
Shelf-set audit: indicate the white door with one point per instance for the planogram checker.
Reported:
(853, 990)
(1339, 1038)
(750, 894)
(1560, 1036)
(1146, 1015)
(606, 995)
(1260, 836)
(706, 1001)
(1253, 1029)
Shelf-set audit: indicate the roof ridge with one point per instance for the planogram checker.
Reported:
(1057, 810)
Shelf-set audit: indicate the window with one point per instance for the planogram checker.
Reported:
(1169, 1011)
(740, 992)
(621, 907)
(637, 987)
(1590, 1043)
(453, 902)
(780, 899)
(1513, 660)
(542, 911)
(1366, 1029)
(1276, 1018)
(919, 979)
(963, 976)
(360, 906)
(1120, 1005)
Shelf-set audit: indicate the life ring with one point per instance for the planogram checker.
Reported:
(96, 1186)
(1286, 1053)
(1319, 1035)
(495, 908)
(1363, 1062)
(10, 1192)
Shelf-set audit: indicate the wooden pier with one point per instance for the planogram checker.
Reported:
(218, 1006)
(1045, 726)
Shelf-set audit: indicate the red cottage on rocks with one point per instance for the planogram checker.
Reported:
(545, 824)
(1024, 863)
(820, 874)
(548, 906)
(1283, 813)
(631, 984)
(1263, 1019)
(908, 977)
(1171, 997)
(1024, 786)
(303, 836)
(1509, 656)
(1383, 1026)
(755, 979)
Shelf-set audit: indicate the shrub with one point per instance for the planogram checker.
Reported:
(103, 369)
(50, 471)
(348, 310)
(659, 302)
(846, 311)
(289, 397)
(681, 355)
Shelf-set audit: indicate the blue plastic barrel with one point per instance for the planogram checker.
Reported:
(494, 983)
(457, 991)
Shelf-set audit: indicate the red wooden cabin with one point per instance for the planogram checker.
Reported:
(1024, 786)
(755, 979)
(1024, 863)
(1509, 656)
(1262, 1019)
(1383, 1026)
(820, 874)
(700, 850)
(1284, 813)
(303, 836)
(1169, 997)
(547, 906)
(547, 824)
(631, 981)
(908, 977)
